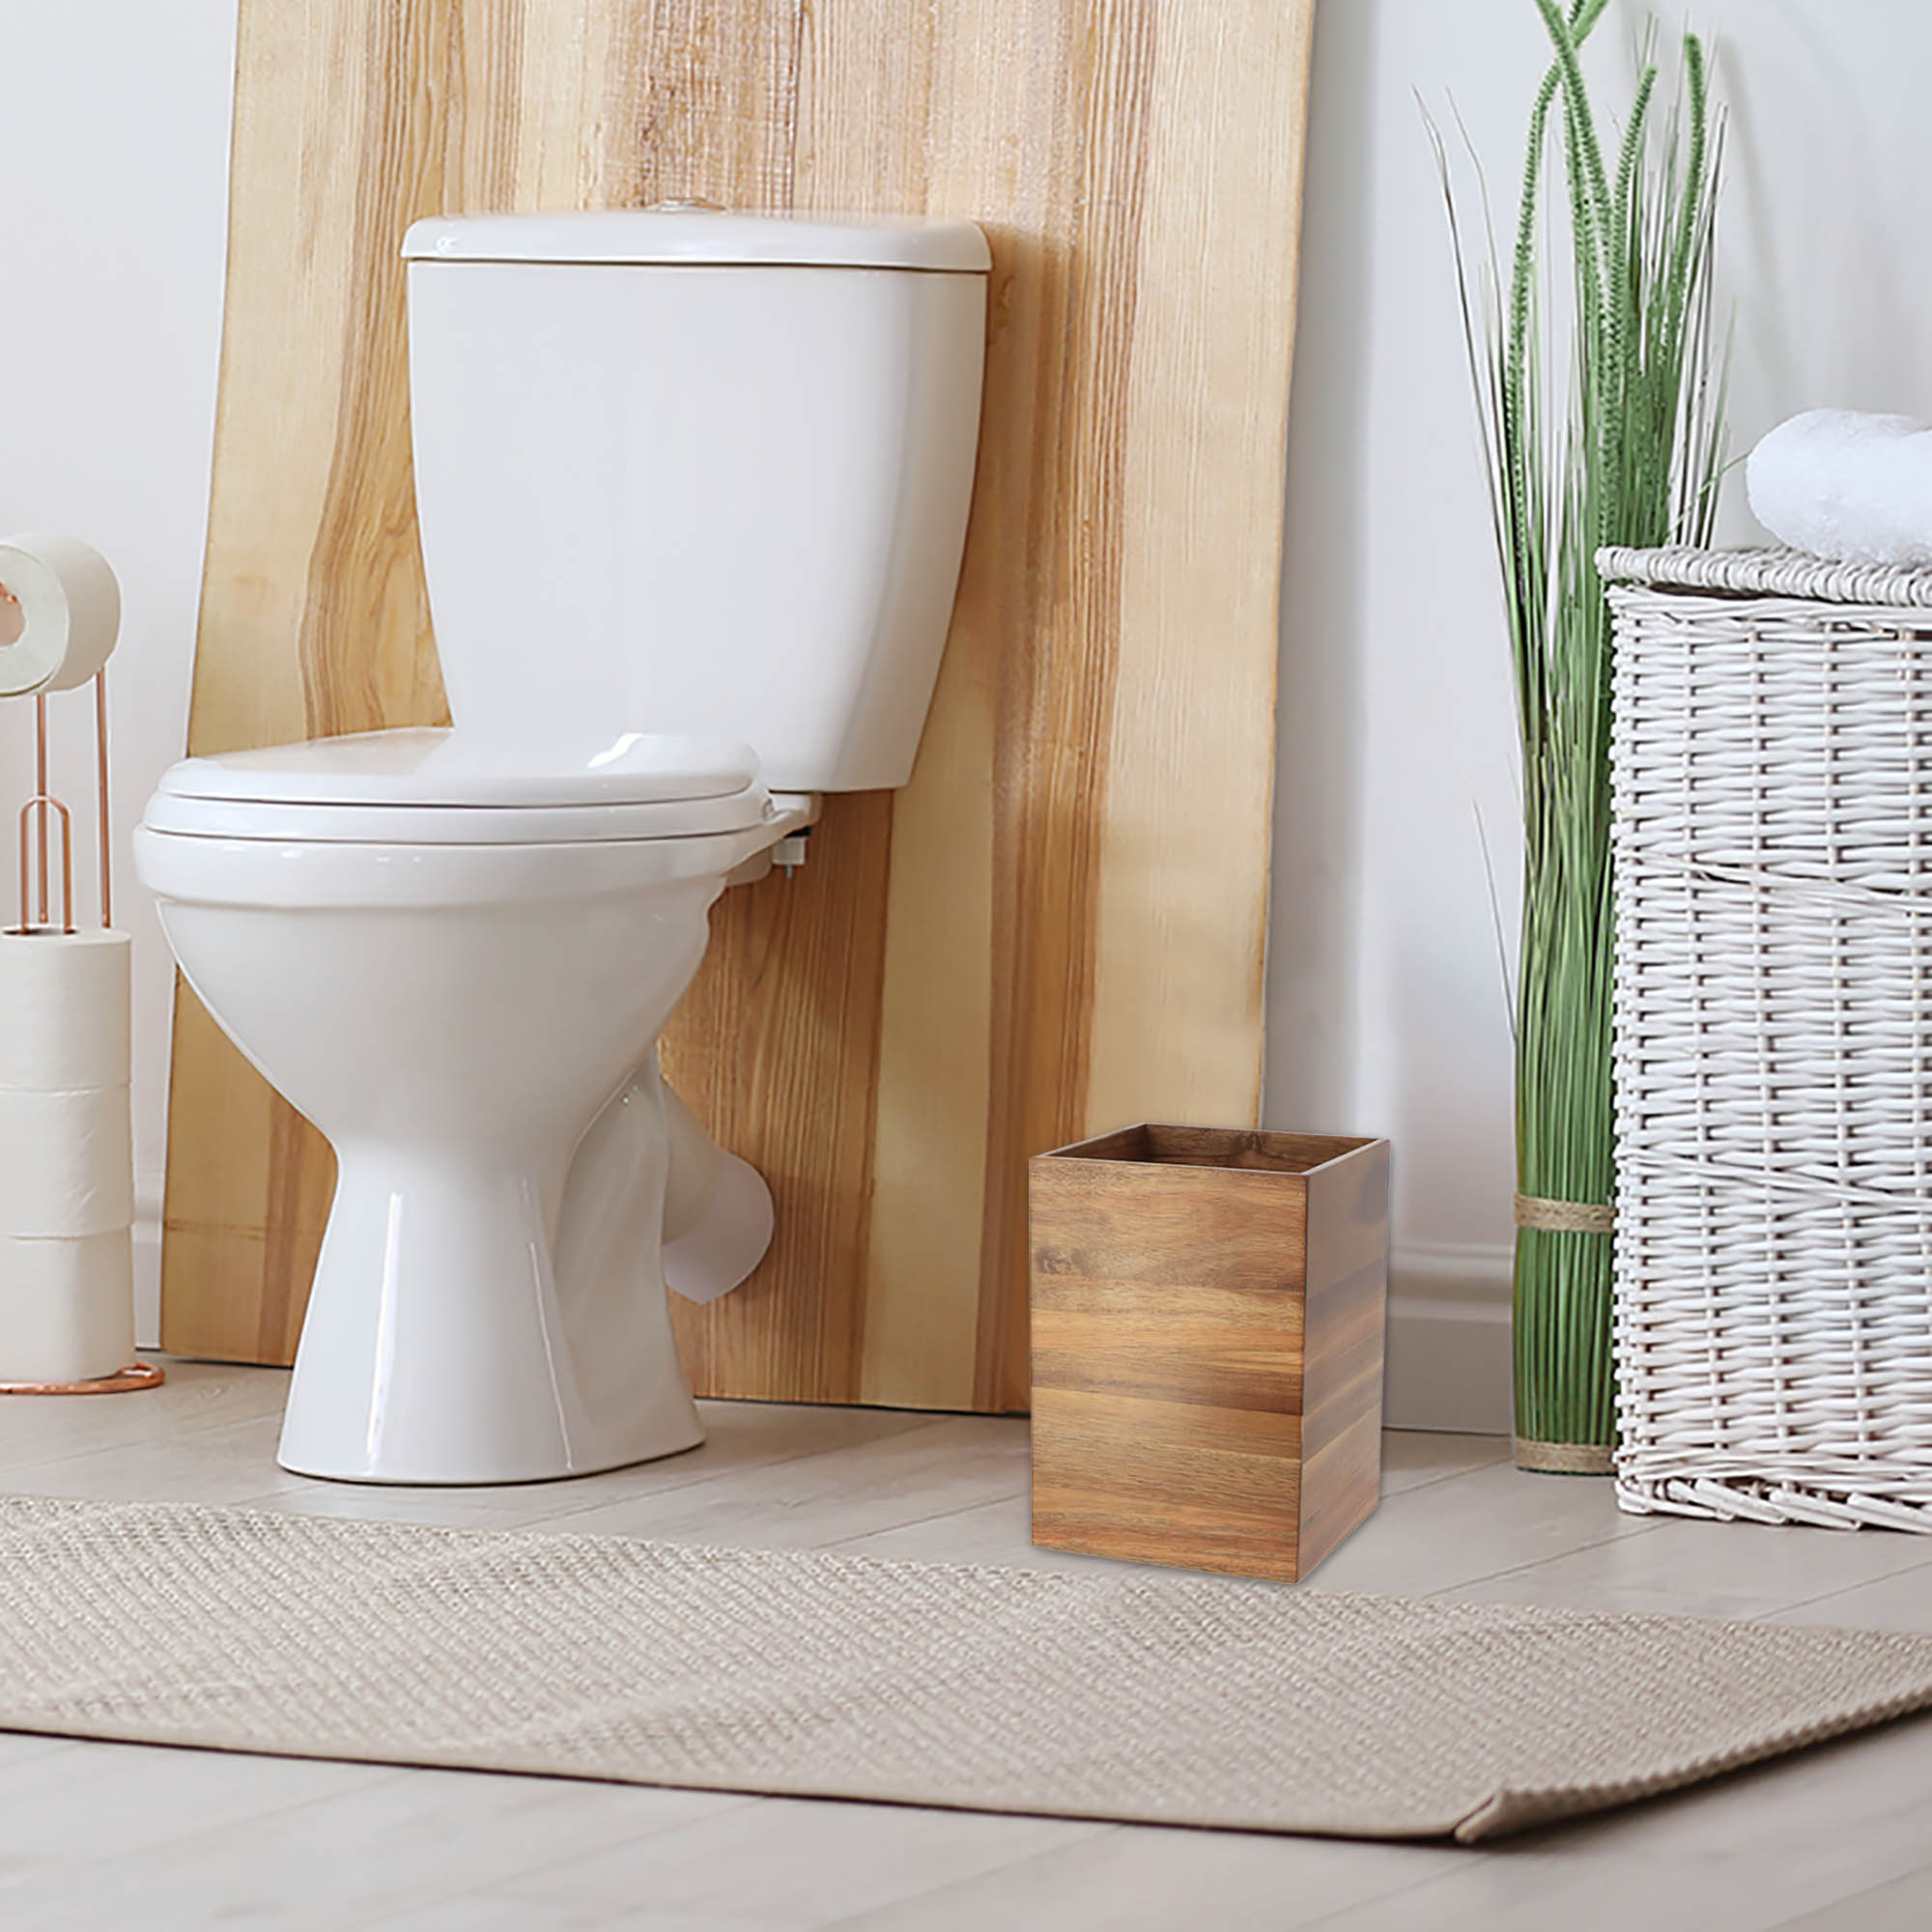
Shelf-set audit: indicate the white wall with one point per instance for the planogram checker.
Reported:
(1386, 1004)
(113, 214)
(1385, 990)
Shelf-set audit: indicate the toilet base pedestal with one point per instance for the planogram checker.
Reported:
(451, 1338)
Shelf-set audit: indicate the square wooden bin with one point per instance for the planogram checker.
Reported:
(1208, 1346)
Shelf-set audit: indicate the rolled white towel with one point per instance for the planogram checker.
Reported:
(1854, 488)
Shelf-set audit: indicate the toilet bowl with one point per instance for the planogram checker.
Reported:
(692, 522)
(464, 999)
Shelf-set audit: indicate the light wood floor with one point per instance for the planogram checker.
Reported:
(93, 1834)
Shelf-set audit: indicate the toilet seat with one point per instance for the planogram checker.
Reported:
(431, 787)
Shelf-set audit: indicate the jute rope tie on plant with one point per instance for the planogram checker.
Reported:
(1564, 1217)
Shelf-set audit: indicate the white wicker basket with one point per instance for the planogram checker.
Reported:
(1772, 756)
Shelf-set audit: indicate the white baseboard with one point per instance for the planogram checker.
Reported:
(1449, 1341)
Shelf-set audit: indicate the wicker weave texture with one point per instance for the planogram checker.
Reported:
(1769, 572)
(1771, 760)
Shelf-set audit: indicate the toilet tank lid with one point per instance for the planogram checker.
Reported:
(674, 234)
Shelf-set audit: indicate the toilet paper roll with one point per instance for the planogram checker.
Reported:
(63, 1011)
(67, 1307)
(68, 614)
(65, 1162)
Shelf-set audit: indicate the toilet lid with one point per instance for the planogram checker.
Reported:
(437, 787)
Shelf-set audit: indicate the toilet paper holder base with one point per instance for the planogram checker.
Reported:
(135, 1376)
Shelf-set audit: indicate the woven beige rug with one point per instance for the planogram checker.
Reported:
(1129, 1694)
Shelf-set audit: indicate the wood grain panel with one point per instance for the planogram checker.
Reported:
(313, 615)
(777, 1048)
(1205, 413)
(1063, 911)
(1207, 1346)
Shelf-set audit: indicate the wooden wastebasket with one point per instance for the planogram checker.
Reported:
(1208, 1346)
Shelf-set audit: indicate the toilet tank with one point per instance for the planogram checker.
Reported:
(679, 470)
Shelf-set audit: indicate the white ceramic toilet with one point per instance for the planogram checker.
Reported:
(692, 489)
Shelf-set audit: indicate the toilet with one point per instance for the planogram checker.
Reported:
(692, 489)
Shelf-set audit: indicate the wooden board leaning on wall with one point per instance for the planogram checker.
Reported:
(1058, 926)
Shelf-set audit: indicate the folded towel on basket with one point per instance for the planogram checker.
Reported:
(1854, 488)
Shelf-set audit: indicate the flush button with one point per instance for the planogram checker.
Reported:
(680, 205)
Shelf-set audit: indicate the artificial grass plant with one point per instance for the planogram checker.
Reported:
(1602, 411)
